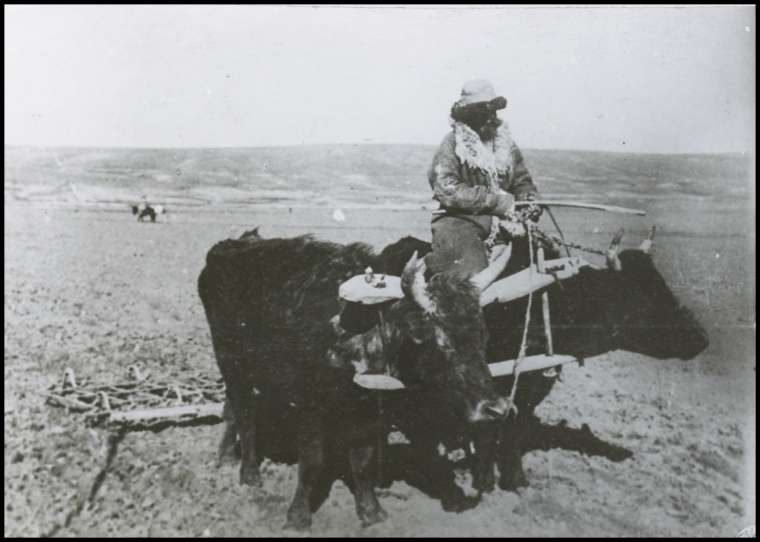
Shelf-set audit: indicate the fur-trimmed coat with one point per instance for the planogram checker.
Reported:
(466, 176)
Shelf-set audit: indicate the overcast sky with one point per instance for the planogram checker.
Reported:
(621, 79)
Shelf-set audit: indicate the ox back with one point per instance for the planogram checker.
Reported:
(268, 307)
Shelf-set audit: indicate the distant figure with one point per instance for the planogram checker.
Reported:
(144, 210)
(148, 211)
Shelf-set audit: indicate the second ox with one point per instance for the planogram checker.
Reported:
(626, 306)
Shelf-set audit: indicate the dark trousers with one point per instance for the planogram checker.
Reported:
(458, 244)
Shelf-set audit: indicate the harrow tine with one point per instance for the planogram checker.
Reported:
(104, 402)
(135, 374)
(69, 380)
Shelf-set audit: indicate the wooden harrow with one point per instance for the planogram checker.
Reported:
(141, 401)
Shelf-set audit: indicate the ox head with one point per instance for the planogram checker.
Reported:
(444, 337)
(653, 321)
(435, 342)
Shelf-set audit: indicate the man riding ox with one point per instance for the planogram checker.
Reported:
(476, 175)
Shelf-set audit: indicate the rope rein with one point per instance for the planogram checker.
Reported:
(523, 345)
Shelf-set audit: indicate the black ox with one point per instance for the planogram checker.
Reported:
(628, 307)
(288, 368)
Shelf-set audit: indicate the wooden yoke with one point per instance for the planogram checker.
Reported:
(523, 282)
(368, 289)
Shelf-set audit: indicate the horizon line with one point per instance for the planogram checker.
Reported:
(363, 143)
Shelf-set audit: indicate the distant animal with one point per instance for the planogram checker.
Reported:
(272, 309)
(144, 210)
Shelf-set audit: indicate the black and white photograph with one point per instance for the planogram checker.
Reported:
(379, 271)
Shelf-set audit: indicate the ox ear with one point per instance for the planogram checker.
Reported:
(413, 283)
(499, 258)
(646, 244)
(613, 262)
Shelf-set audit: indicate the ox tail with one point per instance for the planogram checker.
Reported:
(228, 333)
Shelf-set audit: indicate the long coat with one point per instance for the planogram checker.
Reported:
(470, 181)
(466, 178)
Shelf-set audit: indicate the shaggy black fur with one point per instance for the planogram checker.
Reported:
(289, 381)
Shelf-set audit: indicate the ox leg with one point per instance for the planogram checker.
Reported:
(311, 467)
(486, 444)
(229, 448)
(249, 465)
(512, 436)
(434, 475)
(421, 465)
(321, 490)
(232, 364)
(362, 469)
(244, 424)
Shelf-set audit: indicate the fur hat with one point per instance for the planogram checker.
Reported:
(479, 91)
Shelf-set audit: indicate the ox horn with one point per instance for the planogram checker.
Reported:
(413, 283)
(500, 255)
(613, 262)
(646, 244)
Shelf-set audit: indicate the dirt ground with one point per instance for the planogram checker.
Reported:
(96, 291)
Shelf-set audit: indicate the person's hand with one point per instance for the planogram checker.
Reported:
(530, 212)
